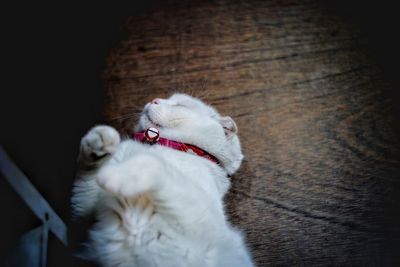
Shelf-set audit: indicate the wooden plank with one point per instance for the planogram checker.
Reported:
(315, 189)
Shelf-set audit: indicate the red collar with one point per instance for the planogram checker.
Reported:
(144, 137)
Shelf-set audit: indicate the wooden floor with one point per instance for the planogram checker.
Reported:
(317, 184)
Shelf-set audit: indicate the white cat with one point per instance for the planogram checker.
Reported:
(158, 206)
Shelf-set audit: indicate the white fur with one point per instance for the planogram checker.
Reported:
(157, 206)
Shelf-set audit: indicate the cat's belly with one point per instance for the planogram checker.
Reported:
(130, 234)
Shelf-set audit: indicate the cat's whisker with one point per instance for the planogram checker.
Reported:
(134, 114)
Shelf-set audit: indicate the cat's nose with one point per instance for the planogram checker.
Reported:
(155, 101)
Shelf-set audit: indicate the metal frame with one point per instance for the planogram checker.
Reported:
(35, 201)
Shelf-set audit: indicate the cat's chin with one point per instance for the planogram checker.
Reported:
(146, 122)
(153, 124)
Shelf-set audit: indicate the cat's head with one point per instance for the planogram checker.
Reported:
(187, 119)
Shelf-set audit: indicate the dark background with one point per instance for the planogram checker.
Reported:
(51, 92)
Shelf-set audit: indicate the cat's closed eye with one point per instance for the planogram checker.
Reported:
(181, 105)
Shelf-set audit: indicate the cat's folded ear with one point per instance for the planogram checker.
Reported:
(229, 126)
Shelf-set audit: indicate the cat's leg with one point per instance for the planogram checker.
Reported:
(136, 175)
(95, 149)
(170, 188)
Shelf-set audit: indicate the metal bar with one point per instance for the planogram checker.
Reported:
(44, 244)
(32, 197)
(27, 251)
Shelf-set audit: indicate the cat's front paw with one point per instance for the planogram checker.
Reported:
(140, 174)
(99, 142)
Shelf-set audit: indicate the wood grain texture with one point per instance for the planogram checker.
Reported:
(317, 183)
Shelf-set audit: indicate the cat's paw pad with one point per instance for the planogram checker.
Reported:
(137, 175)
(100, 141)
